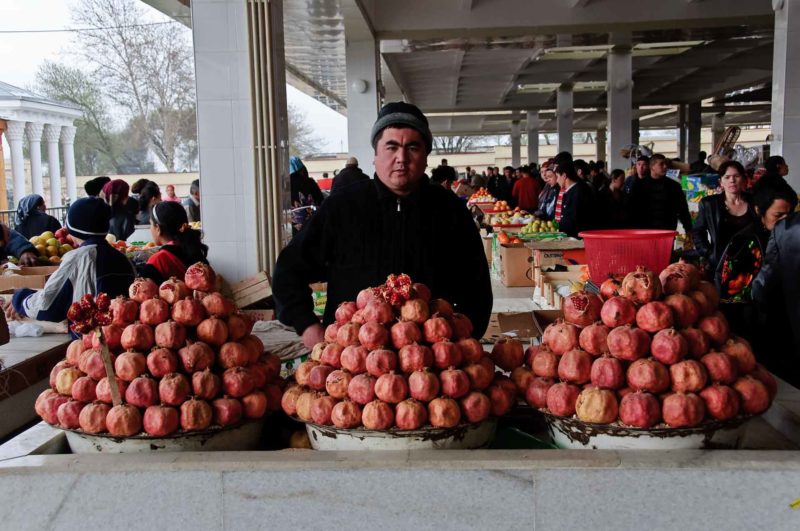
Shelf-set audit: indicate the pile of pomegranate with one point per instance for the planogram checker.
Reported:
(395, 358)
(651, 349)
(183, 356)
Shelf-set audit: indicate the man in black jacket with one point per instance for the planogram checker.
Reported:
(575, 203)
(397, 223)
(349, 175)
(659, 202)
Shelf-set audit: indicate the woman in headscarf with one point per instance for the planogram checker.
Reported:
(122, 223)
(304, 193)
(31, 219)
(149, 196)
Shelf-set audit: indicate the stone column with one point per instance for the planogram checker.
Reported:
(532, 128)
(515, 142)
(635, 131)
(33, 131)
(785, 84)
(15, 132)
(695, 126)
(564, 111)
(717, 129)
(600, 144)
(620, 98)
(52, 134)
(682, 131)
(68, 152)
(362, 69)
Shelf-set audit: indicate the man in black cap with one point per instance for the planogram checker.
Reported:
(93, 267)
(396, 223)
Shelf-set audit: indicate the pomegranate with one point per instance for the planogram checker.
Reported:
(92, 418)
(373, 335)
(258, 371)
(683, 410)
(522, 378)
(610, 287)
(444, 412)
(213, 331)
(226, 411)
(289, 400)
(721, 401)
(358, 317)
(594, 339)
(170, 335)
(669, 346)
(704, 305)
(461, 325)
(648, 375)
(321, 409)
(503, 381)
(414, 310)
(142, 289)
(710, 291)
(318, 376)
(471, 349)
(124, 311)
(421, 291)
(379, 312)
(137, 336)
(237, 382)
(255, 346)
(423, 385)
(475, 407)
(188, 312)
(63, 364)
(44, 395)
(759, 373)
(173, 289)
(272, 394)
(103, 389)
(84, 389)
(675, 281)
(91, 363)
(536, 393)
(160, 421)
(377, 415)
(480, 375)
(754, 395)
(337, 382)
(405, 333)
(74, 351)
(303, 371)
(364, 297)
(391, 388)
(446, 354)
(196, 357)
(239, 326)
(618, 311)
(561, 398)
(575, 367)
(379, 362)
(153, 312)
(502, 398)
(561, 337)
(582, 308)
(625, 391)
(640, 410)
(49, 405)
(597, 405)
(545, 363)
(508, 353)
(608, 373)
(455, 382)
(129, 365)
(344, 312)
(741, 351)
(414, 357)
(436, 329)
(721, 367)
(685, 311)
(441, 307)
(200, 277)
(332, 354)
(195, 414)
(627, 343)
(361, 389)
(206, 384)
(124, 420)
(354, 359)
(66, 378)
(233, 355)
(697, 342)
(304, 403)
(410, 414)
(68, 414)
(688, 376)
(217, 305)
(173, 389)
(715, 327)
(641, 286)
(112, 335)
(654, 316)
(142, 392)
(348, 334)
(346, 414)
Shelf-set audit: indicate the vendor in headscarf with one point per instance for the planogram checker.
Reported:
(32, 219)
(115, 194)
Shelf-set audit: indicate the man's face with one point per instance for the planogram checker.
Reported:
(658, 168)
(400, 159)
(641, 168)
(507, 173)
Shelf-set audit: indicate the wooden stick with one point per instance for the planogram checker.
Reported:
(116, 398)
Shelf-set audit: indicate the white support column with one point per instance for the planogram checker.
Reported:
(52, 134)
(717, 128)
(564, 113)
(600, 143)
(694, 129)
(68, 152)
(14, 134)
(785, 85)
(620, 98)
(532, 128)
(515, 142)
(362, 72)
(33, 131)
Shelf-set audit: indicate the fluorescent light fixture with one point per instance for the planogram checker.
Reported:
(645, 49)
(546, 88)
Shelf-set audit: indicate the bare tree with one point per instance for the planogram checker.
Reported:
(454, 144)
(144, 67)
(301, 134)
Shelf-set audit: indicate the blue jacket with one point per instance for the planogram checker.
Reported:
(16, 246)
(93, 267)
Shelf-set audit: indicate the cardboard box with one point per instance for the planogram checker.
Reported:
(516, 268)
(27, 277)
(487, 248)
(260, 314)
(525, 325)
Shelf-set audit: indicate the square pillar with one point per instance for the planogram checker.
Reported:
(682, 131)
(515, 142)
(694, 129)
(532, 129)
(620, 98)
(717, 128)
(600, 144)
(564, 112)
(635, 131)
(362, 67)
(785, 85)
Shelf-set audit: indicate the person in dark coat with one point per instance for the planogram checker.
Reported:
(548, 196)
(659, 202)
(93, 187)
(613, 208)
(349, 175)
(32, 218)
(122, 222)
(397, 223)
(574, 206)
(192, 203)
(305, 193)
(775, 173)
(149, 196)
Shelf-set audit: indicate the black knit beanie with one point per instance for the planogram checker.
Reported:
(400, 113)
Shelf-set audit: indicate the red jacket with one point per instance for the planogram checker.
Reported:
(526, 193)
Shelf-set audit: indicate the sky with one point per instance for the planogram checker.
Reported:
(21, 53)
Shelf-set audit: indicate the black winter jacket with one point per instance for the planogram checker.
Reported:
(659, 204)
(346, 177)
(357, 239)
(577, 209)
(706, 231)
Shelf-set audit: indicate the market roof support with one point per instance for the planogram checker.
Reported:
(635, 131)
(682, 131)
(620, 98)
(717, 127)
(600, 143)
(34, 131)
(564, 110)
(15, 131)
(515, 142)
(785, 84)
(52, 134)
(532, 128)
(694, 130)
(68, 152)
